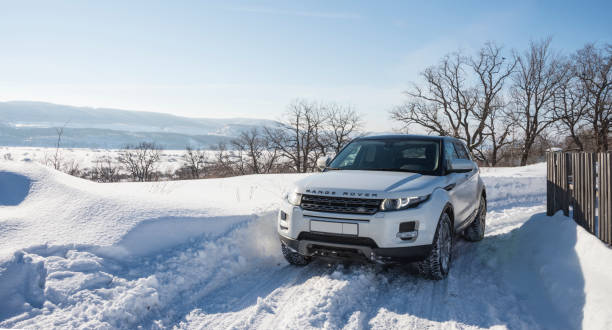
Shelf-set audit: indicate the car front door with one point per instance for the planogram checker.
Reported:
(458, 186)
(470, 183)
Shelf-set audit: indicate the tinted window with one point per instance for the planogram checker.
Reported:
(449, 151)
(409, 155)
(349, 155)
(462, 153)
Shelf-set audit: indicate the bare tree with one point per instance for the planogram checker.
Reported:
(537, 78)
(222, 164)
(491, 69)
(447, 105)
(343, 123)
(195, 161)
(106, 170)
(499, 132)
(297, 139)
(56, 160)
(593, 68)
(249, 145)
(140, 160)
(570, 109)
(239, 162)
(255, 153)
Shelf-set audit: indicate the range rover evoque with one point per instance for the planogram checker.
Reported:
(388, 199)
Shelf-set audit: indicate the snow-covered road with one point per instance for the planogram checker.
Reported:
(204, 254)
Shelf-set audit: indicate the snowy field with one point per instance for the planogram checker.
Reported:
(170, 160)
(204, 254)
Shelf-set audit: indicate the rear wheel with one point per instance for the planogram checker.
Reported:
(294, 258)
(476, 230)
(437, 264)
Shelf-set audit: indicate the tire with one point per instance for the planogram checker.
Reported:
(438, 262)
(294, 258)
(476, 231)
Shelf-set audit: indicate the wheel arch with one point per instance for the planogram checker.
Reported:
(443, 198)
(448, 209)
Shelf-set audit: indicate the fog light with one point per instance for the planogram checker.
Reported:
(407, 235)
(407, 226)
(283, 215)
(407, 231)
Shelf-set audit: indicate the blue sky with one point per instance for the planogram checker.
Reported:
(250, 59)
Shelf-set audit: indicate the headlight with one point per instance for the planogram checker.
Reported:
(294, 198)
(393, 204)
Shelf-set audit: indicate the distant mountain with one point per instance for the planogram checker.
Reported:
(25, 123)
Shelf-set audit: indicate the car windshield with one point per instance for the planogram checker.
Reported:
(403, 155)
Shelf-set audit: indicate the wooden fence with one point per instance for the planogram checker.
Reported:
(584, 182)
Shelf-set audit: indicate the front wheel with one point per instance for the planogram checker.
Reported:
(437, 264)
(476, 231)
(294, 258)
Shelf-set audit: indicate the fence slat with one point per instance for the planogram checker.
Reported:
(605, 198)
(565, 184)
(557, 185)
(549, 187)
(591, 186)
(578, 200)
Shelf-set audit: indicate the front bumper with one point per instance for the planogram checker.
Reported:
(375, 254)
(372, 236)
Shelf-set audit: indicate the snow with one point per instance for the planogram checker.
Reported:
(170, 160)
(204, 254)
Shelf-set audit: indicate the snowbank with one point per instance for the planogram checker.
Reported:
(204, 254)
(42, 206)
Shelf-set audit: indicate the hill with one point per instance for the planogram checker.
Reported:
(25, 123)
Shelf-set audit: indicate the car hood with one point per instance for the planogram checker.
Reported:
(368, 184)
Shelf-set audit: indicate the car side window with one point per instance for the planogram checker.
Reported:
(449, 151)
(462, 153)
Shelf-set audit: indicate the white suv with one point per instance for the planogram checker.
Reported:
(392, 198)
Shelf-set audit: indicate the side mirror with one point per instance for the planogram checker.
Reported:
(460, 165)
(322, 162)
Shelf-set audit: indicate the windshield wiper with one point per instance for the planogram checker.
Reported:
(388, 170)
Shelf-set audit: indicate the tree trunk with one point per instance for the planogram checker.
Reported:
(493, 160)
(525, 153)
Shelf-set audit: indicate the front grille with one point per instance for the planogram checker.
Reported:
(351, 240)
(340, 204)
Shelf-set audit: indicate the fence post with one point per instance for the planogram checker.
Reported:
(550, 165)
(564, 183)
(605, 198)
(557, 187)
(591, 191)
(578, 194)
